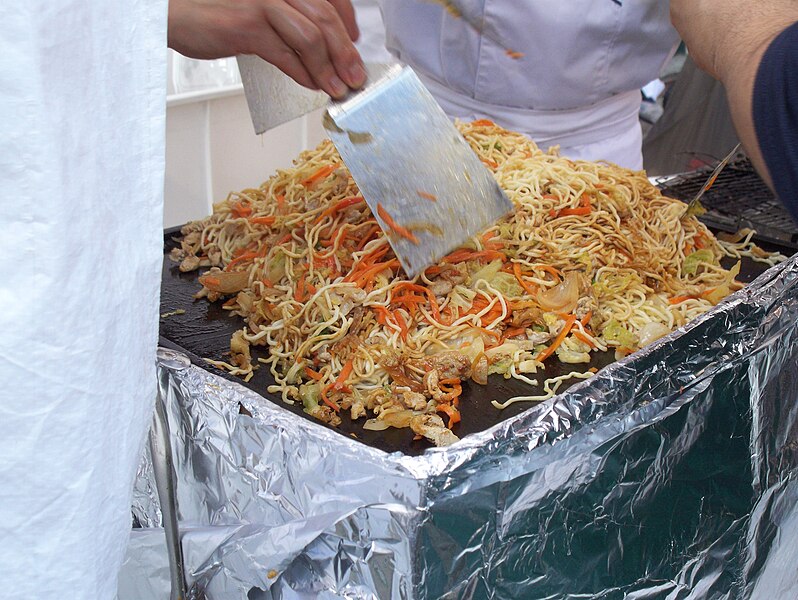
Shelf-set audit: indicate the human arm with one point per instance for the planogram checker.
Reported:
(728, 39)
(309, 40)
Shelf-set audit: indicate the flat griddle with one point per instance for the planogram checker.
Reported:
(204, 331)
(739, 198)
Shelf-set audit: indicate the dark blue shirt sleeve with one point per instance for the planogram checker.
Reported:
(775, 108)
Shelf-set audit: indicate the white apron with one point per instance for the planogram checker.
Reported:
(82, 86)
(576, 77)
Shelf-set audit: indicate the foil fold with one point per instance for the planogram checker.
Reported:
(670, 474)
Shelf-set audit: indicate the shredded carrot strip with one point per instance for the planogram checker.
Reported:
(340, 205)
(464, 254)
(395, 227)
(268, 220)
(488, 242)
(240, 258)
(680, 299)
(414, 287)
(569, 322)
(402, 325)
(586, 319)
(553, 271)
(451, 412)
(427, 196)
(320, 174)
(381, 314)
(584, 209)
(484, 123)
(527, 287)
(368, 275)
(299, 292)
(368, 236)
(313, 374)
(240, 210)
(340, 382)
(326, 400)
(514, 54)
(514, 331)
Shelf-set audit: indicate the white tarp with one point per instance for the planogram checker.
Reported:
(82, 101)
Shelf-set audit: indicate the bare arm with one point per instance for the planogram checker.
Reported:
(310, 40)
(727, 38)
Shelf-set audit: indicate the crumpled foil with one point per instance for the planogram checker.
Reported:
(670, 474)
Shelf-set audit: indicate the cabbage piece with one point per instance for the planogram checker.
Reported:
(310, 394)
(611, 283)
(696, 210)
(277, 268)
(616, 334)
(693, 260)
(651, 332)
(486, 272)
(569, 356)
(724, 289)
(504, 283)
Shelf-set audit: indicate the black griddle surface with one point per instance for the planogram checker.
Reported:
(205, 329)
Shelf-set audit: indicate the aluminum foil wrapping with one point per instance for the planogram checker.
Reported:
(670, 474)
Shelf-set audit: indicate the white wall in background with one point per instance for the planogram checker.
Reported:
(212, 149)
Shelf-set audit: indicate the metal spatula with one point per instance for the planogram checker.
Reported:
(427, 189)
(694, 207)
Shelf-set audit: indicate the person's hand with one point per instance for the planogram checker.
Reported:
(309, 40)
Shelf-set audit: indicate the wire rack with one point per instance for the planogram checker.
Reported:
(739, 198)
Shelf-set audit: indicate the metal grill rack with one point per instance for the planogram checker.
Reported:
(739, 198)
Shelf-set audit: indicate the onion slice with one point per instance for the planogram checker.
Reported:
(563, 296)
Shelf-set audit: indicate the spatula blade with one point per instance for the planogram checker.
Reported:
(413, 167)
(274, 98)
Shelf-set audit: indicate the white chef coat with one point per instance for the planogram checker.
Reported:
(82, 107)
(575, 82)
(371, 43)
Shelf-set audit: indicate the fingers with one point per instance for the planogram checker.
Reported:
(328, 43)
(310, 40)
(347, 13)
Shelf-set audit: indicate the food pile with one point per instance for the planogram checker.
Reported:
(594, 258)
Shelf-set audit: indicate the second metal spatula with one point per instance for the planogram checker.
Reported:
(427, 189)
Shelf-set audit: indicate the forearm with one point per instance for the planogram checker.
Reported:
(728, 38)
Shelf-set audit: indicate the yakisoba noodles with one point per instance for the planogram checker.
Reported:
(594, 258)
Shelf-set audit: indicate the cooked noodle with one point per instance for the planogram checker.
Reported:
(594, 258)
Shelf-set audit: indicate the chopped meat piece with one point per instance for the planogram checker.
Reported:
(347, 345)
(190, 263)
(432, 427)
(326, 414)
(441, 287)
(413, 400)
(526, 317)
(584, 305)
(455, 274)
(225, 282)
(357, 320)
(239, 350)
(448, 364)
(538, 337)
(358, 410)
